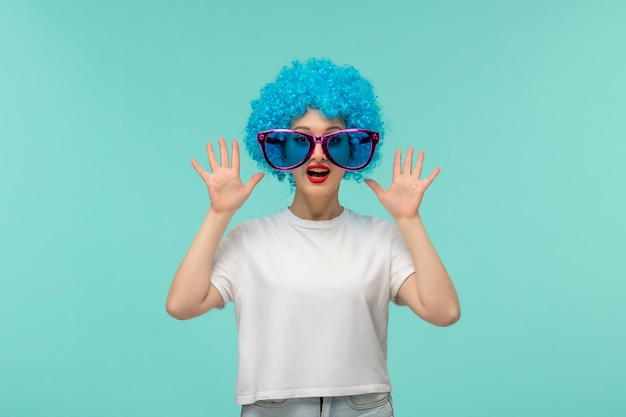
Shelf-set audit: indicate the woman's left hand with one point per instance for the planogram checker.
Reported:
(404, 196)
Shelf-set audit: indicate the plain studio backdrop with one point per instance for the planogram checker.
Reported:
(522, 104)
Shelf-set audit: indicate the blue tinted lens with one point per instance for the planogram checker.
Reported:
(286, 149)
(350, 149)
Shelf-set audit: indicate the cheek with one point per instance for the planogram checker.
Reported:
(338, 173)
(298, 173)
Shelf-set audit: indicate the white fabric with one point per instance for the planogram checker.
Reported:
(312, 302)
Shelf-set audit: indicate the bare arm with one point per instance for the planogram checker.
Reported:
(191, 293)
(429, 292)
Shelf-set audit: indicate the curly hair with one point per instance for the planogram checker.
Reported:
(337, 91)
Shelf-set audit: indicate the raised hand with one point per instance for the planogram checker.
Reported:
(404, 196)
(226, 191)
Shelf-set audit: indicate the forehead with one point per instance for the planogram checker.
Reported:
(314, 120)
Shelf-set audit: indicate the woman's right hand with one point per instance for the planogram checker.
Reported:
(226, 191)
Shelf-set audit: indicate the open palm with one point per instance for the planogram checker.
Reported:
(226, 191)
(403, 197)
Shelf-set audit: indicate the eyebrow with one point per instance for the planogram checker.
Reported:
(309, 129)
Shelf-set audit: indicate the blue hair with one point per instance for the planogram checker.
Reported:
(337, 91)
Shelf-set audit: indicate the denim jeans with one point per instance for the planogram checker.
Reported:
(364, 405)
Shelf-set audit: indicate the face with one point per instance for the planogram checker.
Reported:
(318, 174)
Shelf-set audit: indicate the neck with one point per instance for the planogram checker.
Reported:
(316, 208)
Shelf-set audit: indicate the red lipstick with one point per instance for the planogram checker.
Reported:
(317, 173)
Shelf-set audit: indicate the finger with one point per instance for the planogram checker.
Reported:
(198, 168)
(396, 162)
(375, 186)
(419, 164)
(223, 153)
(235, 163)
(254, 180)
(408, 161)
(428, 180)
(211, 154)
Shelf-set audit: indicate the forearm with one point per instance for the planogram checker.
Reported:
(191, 283)
(435, 292)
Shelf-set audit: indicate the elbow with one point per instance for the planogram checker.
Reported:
(448, 318)
(177, 311)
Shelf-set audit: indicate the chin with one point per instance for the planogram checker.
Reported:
(317, 186)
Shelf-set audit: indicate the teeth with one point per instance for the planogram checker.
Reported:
(318, 172)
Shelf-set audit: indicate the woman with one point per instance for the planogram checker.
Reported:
(312, 283)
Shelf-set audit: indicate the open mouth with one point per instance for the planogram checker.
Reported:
(317, 173)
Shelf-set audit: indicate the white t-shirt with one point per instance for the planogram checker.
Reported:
(312, 303)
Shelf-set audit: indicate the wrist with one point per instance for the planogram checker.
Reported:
(416, 219)
(224, 213)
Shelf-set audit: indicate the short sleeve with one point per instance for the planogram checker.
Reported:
(227, 265)
(401, 264)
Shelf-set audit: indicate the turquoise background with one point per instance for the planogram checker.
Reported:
(522, 104)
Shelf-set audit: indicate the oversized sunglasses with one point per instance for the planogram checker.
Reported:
(349, 149)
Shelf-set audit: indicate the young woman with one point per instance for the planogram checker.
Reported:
(312, 283)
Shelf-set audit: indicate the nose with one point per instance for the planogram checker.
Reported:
(318, 153)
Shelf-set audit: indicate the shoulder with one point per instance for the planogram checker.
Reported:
(259, 224)
(371, 223)
(369, 220)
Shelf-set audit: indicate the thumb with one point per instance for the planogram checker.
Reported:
(375, 186)
(254, 180)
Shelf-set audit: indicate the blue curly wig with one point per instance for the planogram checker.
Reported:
(337, 91)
